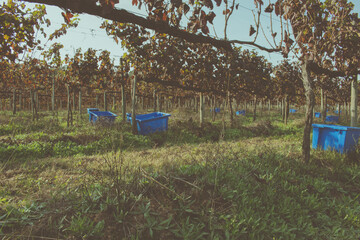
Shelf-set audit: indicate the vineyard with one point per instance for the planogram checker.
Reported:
(233, 157)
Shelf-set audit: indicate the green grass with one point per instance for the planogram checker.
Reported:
(93, 182)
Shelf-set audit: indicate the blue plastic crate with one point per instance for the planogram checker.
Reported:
(335, 137)
(317, 114)
(217, 110)
(91, 110)
(240, 112)
(102, 117)
(292, 110)
(151, 122)
(331, 118)
(337, 111)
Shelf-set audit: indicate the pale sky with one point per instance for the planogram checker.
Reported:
(88, 34)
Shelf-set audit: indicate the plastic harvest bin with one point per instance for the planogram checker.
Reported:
(102, 117)
(217, 110)
(317, 114)
(331, 118)
(90, 110)
(292, 110)
(151, 122)
(335, 137)
(240, 112)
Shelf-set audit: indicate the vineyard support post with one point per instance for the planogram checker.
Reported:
(14, 101)
(97, 101)
(133, 106)
(73, 102)
(254, 109)
(123, 103)
(105, 102)
(154, 98)
(354, 101)
(201, 102)
(20, 101)
(323, 105)
(80, 102)
(159, 102)
(53, 94)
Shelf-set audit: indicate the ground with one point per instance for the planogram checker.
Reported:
(101, 182)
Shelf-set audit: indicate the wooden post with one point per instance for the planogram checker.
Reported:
(323, 105)
(354, 101)
(14, 101)
(114, 102)
(73, 107)
(105, 102)
(254, 111)
(53, 94)
(20, 101)
(201, 101)
(80, 96)
(123, 103)
(154, 97)
(97, 101)
(133, 106)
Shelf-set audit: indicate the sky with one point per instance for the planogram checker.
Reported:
(89, 35)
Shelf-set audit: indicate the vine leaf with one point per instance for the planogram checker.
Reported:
(252, 30)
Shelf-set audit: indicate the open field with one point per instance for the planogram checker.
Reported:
(102, 182)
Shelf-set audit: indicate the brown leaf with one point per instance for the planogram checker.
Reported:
(226, 11)
(252, 30)
(208, 3)
(186, 9)
(218, 2)
(277, 8)
(269, 8)
(210, 17)
(205, 29)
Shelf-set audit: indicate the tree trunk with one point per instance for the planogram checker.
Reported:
(354, 100)
(73, 102)
(310, 101)
(286, 109)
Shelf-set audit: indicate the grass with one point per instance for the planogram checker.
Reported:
(91, 182)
